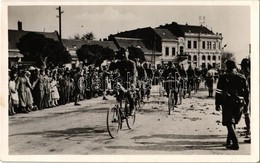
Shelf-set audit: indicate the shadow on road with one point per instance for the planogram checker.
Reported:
(171, 142)
(28, 119)
(86, 132)
(177, 136)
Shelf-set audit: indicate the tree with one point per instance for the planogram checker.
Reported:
(120, 54)
(88, 36)
(94, 54)
(85, 55)
(76, 36)
(108, 54)
(226, 56)
(44, 51)
(136, 53)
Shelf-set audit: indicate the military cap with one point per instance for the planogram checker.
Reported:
(245, 62)
(230, 64)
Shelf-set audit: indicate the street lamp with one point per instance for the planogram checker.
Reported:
(222, 52)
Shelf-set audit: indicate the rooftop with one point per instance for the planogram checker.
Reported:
(15, 35)
(76, 44)
(135, 42)
(165, 34)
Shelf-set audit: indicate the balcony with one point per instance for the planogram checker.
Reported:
(183, 54)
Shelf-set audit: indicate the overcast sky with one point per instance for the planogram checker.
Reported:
(232, 21)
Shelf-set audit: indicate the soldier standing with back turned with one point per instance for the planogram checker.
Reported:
(232, 94)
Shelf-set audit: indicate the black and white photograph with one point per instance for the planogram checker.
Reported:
(130, 81)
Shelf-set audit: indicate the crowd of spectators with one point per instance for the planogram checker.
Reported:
(32, 88)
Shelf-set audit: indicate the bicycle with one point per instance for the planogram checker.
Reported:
(171, 98)
(171, 101)
(115, 117)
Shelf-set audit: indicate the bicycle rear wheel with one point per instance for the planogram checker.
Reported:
(170, 103)
(130, 120)
(113, 122)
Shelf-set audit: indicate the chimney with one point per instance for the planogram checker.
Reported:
(20, 26)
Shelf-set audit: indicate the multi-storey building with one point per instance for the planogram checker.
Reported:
(175, 42)
(201, 45)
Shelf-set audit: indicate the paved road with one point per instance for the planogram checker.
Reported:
(193, 128)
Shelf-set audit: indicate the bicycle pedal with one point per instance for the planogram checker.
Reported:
(114, 121)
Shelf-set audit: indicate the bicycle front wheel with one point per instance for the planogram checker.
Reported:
(130, 121)
(113, 122)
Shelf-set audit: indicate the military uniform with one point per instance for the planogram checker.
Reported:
(229, 88)
(175, 76)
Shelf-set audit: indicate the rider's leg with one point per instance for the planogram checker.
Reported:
(180, 95)
(175, 93)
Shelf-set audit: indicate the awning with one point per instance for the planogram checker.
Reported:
(15, 54)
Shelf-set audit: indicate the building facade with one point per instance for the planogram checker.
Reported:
(170, 42)
(202, 46)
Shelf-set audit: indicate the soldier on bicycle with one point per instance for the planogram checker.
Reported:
(191, 77)
(128, 75)
(183, 83)
(171, 77)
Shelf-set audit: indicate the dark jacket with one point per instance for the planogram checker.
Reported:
(229, 86)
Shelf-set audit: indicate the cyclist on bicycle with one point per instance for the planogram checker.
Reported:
(127, 71)
(148, 81)
(183, 83)
(198, 75)
(171, 77)
(191, 78)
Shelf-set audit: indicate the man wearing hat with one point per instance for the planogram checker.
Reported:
(232, 94)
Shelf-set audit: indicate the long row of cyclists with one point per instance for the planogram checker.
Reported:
(136, 79)
(134, 82)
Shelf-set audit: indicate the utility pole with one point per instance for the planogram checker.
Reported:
(59, 16)
(154, 50)
(201, 22)
(249, 51)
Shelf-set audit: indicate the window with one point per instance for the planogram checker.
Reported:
(218, 57)
(209, 58)
(195, 44)
(203, 58)
(173, 52)
(189, 57)
(166, 51)
(203, 45)
(214, 45)
(207, 44)
(195, 58)
(181, 50)
(214, 58)
(189, 44)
